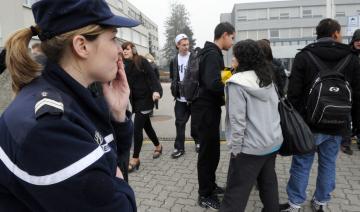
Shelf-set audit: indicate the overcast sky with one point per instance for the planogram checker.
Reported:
(204, 14)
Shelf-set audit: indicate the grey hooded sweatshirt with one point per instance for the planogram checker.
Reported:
(252, 121)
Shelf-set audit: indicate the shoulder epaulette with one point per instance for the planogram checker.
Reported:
(48, 102)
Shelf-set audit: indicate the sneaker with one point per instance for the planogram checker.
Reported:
(288, 208)
(347, 150)
(211, 202)
(197, 148)
(316, 207)
(219, 191)
(177, 153)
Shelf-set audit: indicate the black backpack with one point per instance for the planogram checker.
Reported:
(329, 99)
(189, 87)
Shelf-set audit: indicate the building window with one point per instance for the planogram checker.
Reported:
(241, 35)
(295, 33)
(274, 33)
(307, 13)
(274, 14)
(308, 32)
(317, 16)
(340, 14)
(261, 14)
(263, 34)
(252, 34)
(284, 15)
(241, 18)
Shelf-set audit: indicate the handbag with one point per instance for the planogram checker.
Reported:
(298, 138)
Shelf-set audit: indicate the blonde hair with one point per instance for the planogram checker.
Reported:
(23, 69)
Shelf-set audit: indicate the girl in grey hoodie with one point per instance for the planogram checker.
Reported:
(253, 130)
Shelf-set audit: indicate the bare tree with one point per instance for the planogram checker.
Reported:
(178, 22)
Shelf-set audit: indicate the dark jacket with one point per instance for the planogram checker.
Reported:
(355, 37)
(174, 75)
(156, 70)
(64, 157)
(211, 87)
(2, 61)
(304, 72)
(280, 77)
(142, 85)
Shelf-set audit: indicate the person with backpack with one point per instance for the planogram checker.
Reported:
(145, 89)
(253, 130)
(57, 144)
(206, 113)
(179, 66)
(324, 88)
(346, 142)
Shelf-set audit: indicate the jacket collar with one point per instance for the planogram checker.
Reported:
(57, 77)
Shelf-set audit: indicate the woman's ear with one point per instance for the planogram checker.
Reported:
(79, 46)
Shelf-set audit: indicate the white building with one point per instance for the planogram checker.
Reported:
(290, 25)
(17, 14)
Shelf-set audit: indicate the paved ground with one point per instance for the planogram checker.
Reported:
(166, 184)
(164, 120)
(171, 185)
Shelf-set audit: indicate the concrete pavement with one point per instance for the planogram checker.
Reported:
(167, 184)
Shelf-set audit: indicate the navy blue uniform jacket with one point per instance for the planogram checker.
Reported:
(58, 151)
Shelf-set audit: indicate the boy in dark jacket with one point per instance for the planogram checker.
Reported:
(329, 49)
(206, 113)
(346, 142)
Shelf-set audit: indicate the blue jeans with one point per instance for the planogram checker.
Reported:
(327, 148)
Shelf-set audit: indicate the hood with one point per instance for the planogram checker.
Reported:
(355, 37)
(328, 50)
(249, 81)
(210, 47)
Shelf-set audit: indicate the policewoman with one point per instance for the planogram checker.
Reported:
(57, 150)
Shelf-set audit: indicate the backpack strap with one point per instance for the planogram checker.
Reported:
(324, 70)
(342, 64)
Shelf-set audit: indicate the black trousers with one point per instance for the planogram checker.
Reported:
(142, 121)
(244, 171)
(182, 114)
(123, 164)
(207, 122)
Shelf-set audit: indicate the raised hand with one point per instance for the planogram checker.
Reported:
(117, 93)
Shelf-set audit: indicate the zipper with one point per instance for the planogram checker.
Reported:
(322, 114)
(317, 102)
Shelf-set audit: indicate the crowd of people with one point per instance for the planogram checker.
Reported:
(76, 91)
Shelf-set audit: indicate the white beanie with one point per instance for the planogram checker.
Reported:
(179, 37)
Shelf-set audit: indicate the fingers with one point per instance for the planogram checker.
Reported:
(121, 71)
(156, 96)
(119, 173)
